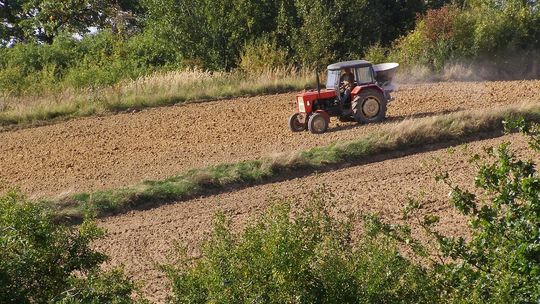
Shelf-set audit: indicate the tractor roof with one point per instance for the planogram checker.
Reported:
(349, 64)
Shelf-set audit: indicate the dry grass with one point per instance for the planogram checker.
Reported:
(159, 89)
(410, 133)
(454, 124)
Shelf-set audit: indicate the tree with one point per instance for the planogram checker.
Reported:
(9, 11)
(396, 18)
(341, 30)
(209, 33)
(314, 42)
(43, 20)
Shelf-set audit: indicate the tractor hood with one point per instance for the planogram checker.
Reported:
(313, 94)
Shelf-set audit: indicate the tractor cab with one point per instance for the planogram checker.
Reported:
(360, 71)
(355, 90)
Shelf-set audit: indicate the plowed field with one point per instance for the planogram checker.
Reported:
(143, 239)
(106, 152)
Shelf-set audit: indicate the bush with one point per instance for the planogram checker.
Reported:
(298, 257)
(479, 29)
(12, 81)
(262, 55)
(500, 262)
(411, 49)
(432, 41)
(97, 60)
(45, 262)
(149, 50)
(101, 287)
(376, 54)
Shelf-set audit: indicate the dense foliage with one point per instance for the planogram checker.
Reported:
(48, 44)
(43, 20)
(500, 261)
(134, 38)
(299, 257)
(43, 262)
(475, 30)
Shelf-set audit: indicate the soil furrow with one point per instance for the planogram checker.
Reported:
(106, 152)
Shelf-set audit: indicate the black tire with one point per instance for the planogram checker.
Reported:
(369, 106)
(317, 123)
(297, 122)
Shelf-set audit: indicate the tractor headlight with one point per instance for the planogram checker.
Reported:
(301, 106)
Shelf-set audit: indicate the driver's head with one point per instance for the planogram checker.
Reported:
(347, 70)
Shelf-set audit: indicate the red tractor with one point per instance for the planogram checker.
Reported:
(355, 91)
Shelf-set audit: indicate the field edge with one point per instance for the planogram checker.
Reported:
(412, 133)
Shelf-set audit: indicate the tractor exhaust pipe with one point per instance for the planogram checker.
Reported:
(318, 84)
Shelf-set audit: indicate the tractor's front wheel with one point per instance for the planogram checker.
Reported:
(297, 122)
(369, 106)
(317, 123)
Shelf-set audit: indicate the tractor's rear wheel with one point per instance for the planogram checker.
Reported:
(369, 106)
(297, 122)
(317, 123)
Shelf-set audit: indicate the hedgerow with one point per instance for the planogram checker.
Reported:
(44, 262)
(305, 256)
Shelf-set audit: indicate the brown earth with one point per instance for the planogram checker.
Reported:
(143, 239)
(107, 152)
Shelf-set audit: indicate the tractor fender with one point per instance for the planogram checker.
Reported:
(359, 89)
(325, 115)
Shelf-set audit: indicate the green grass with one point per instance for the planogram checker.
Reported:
(404, 135)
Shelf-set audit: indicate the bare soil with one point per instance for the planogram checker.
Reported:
(141, 240)
(107, 152)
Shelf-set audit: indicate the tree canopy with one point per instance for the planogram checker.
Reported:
(43, 20)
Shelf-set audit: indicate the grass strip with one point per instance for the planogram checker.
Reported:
(152, 91)
(401, 136)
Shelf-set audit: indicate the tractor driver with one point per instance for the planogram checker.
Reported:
(346, 83)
